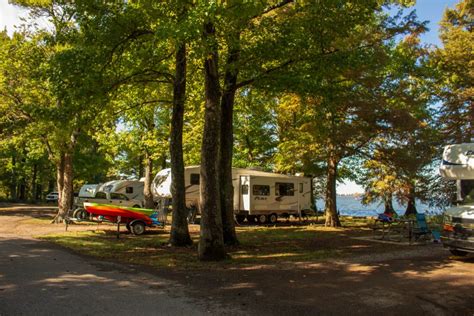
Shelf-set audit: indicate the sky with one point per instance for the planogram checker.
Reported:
(427, 10)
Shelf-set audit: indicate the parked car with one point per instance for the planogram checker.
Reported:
(52, 197)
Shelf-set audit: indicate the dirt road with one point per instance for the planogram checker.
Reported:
(39, 278)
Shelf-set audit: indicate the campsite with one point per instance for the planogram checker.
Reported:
(276, 270)
(269, 157)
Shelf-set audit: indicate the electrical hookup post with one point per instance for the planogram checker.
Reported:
(119, 218)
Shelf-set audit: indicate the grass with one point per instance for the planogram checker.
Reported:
(258, 246)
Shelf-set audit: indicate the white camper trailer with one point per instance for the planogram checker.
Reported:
(258, 195)
(458, 229)
(133, 189)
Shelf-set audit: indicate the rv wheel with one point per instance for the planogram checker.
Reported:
(273, 218)
(137, 228)
(262, 219)
(240, 218)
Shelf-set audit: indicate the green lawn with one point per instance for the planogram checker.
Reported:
(259, 245)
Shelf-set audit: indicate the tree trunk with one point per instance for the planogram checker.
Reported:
(60, 178)
(67, 189)
(149, 203)
(22, 189)
(179, 227)
(211, 242)
(226, 150)
(388, 203)
(34, 186)
(332, 218)
(13, 185)
(411, 207)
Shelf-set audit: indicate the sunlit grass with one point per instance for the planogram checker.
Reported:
(258, 246)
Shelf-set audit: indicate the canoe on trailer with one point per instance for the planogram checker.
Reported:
(136, 219)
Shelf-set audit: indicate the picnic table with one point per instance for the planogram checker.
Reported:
(395, 229)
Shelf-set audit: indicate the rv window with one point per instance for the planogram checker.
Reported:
(194, 178)
(284, 189)
(129, 190)
(467, 191)
(245, 189)
(261, 189)
(118, 196)
(100, 195)
(301, 187)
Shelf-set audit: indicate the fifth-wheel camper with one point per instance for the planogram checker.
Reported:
(458, 228)
(258, 196)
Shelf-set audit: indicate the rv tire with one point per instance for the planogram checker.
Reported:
(273, 218)
(239, 219)
(262, 219)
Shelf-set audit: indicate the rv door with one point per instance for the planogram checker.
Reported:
(244, 193)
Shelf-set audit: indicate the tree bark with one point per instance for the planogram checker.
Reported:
(179, 226)
(149, 203)
(332, 218)
(411, 206)
(66, 196)
(34, 186)
(388, 203)
(226, 149)
(211, 241)
(60, 177)
(65, 179)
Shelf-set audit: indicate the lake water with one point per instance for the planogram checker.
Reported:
(350, 205)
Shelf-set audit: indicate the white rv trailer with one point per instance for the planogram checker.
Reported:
(133, 189)
(458, 229)
(258, 195)
(89, 190)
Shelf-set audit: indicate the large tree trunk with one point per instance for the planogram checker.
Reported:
(411, 207)
(211, 242)
(66, 195)
(332, 218)
(227, 144)
(149, 203)
(179, 227)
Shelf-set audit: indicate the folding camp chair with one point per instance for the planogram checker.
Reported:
(421, 228)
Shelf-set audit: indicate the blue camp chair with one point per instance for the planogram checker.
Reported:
(421, 228)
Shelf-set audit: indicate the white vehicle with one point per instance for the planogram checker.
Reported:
(133, 189)
(89, 190)
(458, 229)
(258, 195)
(52, 197)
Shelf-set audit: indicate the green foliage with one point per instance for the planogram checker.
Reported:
(455, 80)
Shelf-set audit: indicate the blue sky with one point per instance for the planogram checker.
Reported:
(427, 10)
